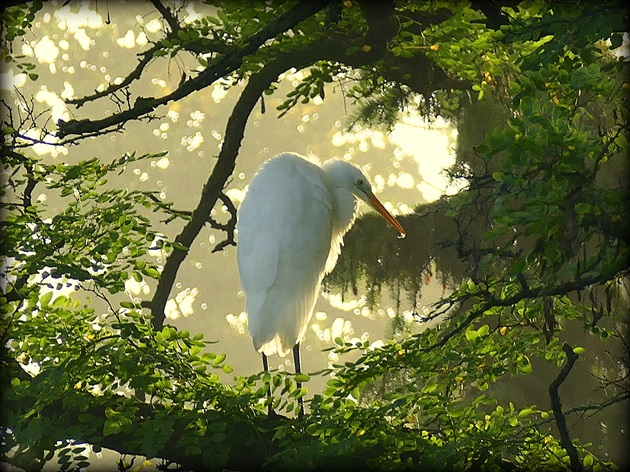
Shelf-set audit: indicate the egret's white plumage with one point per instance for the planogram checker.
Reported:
(290, 230)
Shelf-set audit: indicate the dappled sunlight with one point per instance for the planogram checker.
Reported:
(135, 287)
(337, 300)
(182, 304)
(432, 146)
(237, 322)
(10, 80)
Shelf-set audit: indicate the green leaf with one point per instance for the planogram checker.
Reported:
(151, 272)
(621, 141)
(45, 298)
(498, 176)
(219, 359)
(514, 87)
(179, 246)
(111, 426)
(59, 301)
(430, 388)
(524, 365)
(525, 412)
(588, 460)
(471, 334)
(301, 377)
(219, 437)
(582, 208)
(518, 266)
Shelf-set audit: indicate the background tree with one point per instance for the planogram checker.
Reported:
(540, 234)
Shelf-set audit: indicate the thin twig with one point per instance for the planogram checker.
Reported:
(228, 227)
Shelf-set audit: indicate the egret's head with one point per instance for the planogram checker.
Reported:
(342, 174)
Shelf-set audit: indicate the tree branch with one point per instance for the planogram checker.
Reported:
(134, 75)
(247, 441)
(217, 68)
(248, 437)
(199, 46)
(556, 406)
(382, 24)
(541, 291)
(172, 21)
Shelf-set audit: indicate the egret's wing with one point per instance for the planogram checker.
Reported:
(284, 237)
(275, 216)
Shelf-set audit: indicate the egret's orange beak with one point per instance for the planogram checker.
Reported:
(378, 206)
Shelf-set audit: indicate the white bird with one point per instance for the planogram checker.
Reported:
(290, 231)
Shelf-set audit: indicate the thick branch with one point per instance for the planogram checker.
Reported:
(556, 407)
(248, 439)
(219, 67)
(382, 24)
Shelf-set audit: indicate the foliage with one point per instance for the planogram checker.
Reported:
(104, 224)
(540, 245)
(16, 20)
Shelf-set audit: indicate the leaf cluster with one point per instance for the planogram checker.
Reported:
(100, 223)
(15, 20)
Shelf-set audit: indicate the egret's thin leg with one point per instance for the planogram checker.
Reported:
(298, 370)
(265, 362)
(266, 368)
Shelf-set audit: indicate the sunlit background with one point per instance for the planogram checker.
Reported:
(83, 47)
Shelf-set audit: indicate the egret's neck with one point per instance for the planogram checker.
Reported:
(340, 176)
(346, 209)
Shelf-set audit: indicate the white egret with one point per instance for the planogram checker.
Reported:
(290, 230)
